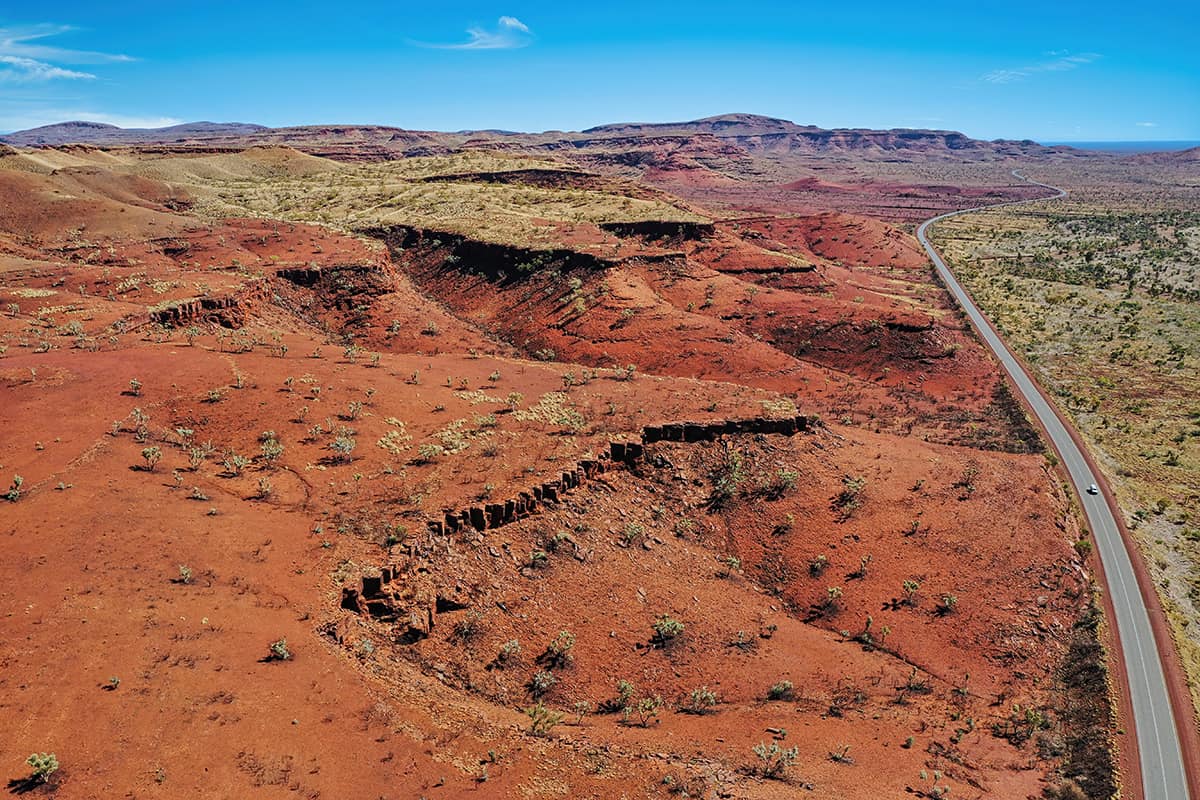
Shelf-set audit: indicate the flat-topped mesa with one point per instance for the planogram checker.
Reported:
(620, 454)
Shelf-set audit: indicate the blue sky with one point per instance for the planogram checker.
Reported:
(1044, 70)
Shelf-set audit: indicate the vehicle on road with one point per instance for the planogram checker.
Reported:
(1093, 489)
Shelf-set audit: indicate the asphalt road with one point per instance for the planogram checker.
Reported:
(1161, 755)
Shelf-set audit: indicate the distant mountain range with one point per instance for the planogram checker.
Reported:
(726, 135)
(99, 133)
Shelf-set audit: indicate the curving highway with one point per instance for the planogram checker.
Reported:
(1159, 747)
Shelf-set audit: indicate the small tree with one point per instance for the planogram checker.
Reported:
(625, 692)
(910, 589)
(14, 491)
(135, 387)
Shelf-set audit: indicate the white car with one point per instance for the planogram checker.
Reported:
(1093, 489)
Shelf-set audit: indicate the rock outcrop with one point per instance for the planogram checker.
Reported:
(621, 454)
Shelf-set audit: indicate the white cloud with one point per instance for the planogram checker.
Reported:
(1146, 124)
(23, 57)
(514, 23)
(509, 34)
(1061, 63)
(19, 68)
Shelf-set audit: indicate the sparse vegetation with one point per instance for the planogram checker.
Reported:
(152, 456)
(279, 651)
(541, 683)
(560, 652)
(780, 691)
(774, 759)
(701, 701)
(541, 719)
(667, 629)
(43, 765)
(849, 499)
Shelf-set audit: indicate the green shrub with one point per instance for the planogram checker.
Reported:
(779, 484)
(646, 708)
(780, 691)
(44, 765)
(279, 651)
(271, 449)
(509, 652)
(541, 719)
(774, 760)
(701, 701)
(850, 498)
(667, 629)
(559, 653)
(152, 455)
(541, 683)
(343, 448)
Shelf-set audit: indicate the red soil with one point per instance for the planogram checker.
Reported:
(95, 541)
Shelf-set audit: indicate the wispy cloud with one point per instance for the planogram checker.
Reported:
(25, 58)
(1146, 124)
(1061, 61)
(19, 68)
(508, 34)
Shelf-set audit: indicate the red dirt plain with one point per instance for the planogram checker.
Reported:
(919, 472)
